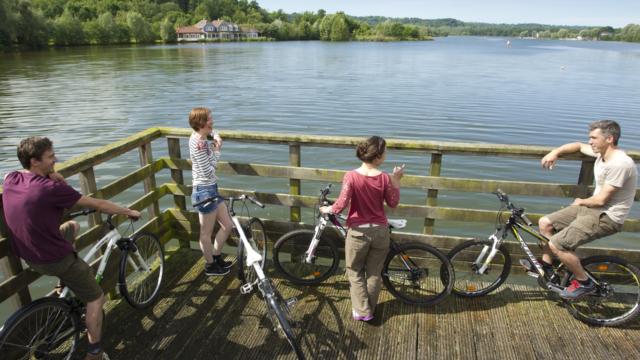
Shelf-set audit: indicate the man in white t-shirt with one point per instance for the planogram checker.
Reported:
(597, 216)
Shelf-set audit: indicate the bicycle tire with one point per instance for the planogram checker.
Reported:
(138, 286)
(618, 303)
(47, 328)
(289, 254)
(408, 285)
(257, 237)
(278, 309)
(467, 282)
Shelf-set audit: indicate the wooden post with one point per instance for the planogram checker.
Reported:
(294, 184)
(88, 186)
(11, 266)
(585, 179)
(146, 158)
(432, 195)
(178, 178)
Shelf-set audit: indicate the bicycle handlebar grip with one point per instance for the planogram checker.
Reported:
(255, 201)
(526, 220)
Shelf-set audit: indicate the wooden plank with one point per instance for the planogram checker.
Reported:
(176, 174)
(88, 186)
(294, 184)
(146, 158)
(435, 168)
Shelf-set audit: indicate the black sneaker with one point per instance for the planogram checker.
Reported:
(213, 269)
(577, 290)
(222, 263)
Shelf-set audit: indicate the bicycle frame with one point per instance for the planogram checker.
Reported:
(253, 257)
(319, 229)
(113, 240)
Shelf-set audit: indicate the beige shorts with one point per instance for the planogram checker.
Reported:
(72, 271)
(577, 225)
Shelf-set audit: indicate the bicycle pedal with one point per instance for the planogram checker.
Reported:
(534, 275)
(246, 288)
(291, 302)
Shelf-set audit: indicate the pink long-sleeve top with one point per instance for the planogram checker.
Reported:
(367, 195)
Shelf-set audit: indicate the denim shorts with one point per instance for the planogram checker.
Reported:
(203, 192)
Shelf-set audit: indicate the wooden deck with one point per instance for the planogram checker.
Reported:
(201, 317)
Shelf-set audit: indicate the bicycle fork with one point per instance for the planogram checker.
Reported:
(481, 265)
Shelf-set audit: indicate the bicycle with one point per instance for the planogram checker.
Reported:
(252, 254)
(415, 273)
(483, 265)
(50, 327)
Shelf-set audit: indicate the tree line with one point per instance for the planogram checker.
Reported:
(41, 23)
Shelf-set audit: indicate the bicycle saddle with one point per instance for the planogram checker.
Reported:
(397, 223)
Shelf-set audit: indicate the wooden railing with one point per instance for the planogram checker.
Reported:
(178, 222)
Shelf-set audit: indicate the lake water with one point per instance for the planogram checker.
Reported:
(463, 89)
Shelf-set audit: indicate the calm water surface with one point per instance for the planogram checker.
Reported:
(462, 89)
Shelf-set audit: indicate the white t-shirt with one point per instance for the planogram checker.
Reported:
(620, 172)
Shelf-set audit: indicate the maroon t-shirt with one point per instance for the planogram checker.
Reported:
(33, 207)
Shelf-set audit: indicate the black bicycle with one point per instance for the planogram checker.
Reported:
(252, 253)
(49, 328)
(415, 273)
(481, 266)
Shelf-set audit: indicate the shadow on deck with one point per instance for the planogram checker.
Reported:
(200, 317)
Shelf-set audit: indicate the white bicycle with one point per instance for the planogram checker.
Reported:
(49, 328)
(252, 254)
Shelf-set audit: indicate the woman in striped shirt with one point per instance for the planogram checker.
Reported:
(204, 159)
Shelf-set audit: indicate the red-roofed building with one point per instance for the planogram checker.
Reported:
(216, 29)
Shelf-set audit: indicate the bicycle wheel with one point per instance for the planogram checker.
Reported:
(258, 239)
(141, 270)
(48, 328)
(280, 316)
(617, 300)
(418, 274)
(290, 258)
(468, 257)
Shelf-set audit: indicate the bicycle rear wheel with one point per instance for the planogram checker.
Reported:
(467, 259)
(617, 300)
(257, 237)
(48, 328)
(141, 270)
(418, 274)
(280, 316)
(290, 258)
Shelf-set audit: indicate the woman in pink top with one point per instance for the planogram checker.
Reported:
(366, 189)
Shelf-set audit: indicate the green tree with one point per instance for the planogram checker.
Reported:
(50, 8)
(84, 10)
(67, 30)
(339, 28)
(32, 29)
(7, 24)
(140, 29)
(167, 31)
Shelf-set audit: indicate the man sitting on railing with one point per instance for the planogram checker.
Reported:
(597, 216)
(34, 200)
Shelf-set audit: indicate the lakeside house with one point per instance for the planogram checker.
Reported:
(215, 29)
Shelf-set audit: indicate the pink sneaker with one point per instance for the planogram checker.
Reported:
(357, 317)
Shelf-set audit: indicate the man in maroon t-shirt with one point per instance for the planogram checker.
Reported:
(34, 200)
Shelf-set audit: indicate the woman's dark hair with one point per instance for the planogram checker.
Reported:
(371, 149)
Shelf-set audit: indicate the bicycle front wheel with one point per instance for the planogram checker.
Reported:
(141, 270)
(291, 260)
(257, 237)
(281, 318)
(617, 300)
(468, 259)
(418, 274)
(47, 328)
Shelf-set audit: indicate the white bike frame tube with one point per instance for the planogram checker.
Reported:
(111, 237)
(315, 241)
(253, 258)
(492, 253)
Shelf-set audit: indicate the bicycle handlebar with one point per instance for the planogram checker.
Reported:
(504, 198)
(231, 200)
(81, 212)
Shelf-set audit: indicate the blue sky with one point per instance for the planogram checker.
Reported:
(616, 13)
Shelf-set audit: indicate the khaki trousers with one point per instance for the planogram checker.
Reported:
(365, 252)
